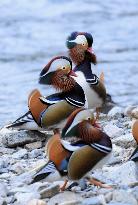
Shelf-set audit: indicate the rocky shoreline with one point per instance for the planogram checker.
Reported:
(21, 152)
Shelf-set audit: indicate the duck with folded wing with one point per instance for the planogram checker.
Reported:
(91, 150)
(80, 51)
(50, 112)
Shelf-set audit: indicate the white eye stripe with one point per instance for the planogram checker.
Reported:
(80, 39)
(59, 63)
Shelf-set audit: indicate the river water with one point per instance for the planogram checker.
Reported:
(33, 31)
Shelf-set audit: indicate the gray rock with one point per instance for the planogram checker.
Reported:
(97, 200)
(4, 150)
(21, 180)
(22, 153)
(10, 199)
(2, 201)
(33, 145)
(124, 197)
(135, 113)
(3, 163)
(124, 174)
(131, 111)
(19, 138)
(72, 202)
(35, 153)
(3, 190)
(125, 141)
(135, 192)
(65, 197)
(128, 110)
(17, 168)
(5, 176)
(49, 191)
(108, 197)
(36, 202)
(118, 203)
(24, 198)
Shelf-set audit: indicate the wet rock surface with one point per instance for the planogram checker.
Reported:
(21, 152)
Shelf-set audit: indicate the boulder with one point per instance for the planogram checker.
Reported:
(65, 197)
(20, 138)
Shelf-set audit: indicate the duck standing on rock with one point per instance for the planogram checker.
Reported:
(91, 150)
(134, 155)
(80, 51)
(50, 112)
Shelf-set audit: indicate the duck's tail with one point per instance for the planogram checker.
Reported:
(44, 172)
(134, 156)
(25, 122)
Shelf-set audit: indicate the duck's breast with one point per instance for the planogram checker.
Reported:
(93, 98)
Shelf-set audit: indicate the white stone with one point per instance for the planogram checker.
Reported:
(128, 110)
(3, 163)
(124, 174)
(97, 200)
(125, 141)
(2, 200)
(20, 154)
(135, 113)
(72, 202)
(113, 131)
(17, 168)
(124, 197)
(36, 202)
(3, 190)
(131, 111)
(22, 179)
(50, 191)
(115, 112)
(16, 138)
(24, 198)
(35, 153)
(33, 145)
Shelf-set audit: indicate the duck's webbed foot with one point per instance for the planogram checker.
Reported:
(62, 188)
(98, 183)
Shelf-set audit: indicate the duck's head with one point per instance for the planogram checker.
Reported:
(81, 123)
(80, 46)
(58, 73)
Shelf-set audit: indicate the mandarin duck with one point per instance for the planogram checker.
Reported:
(91, 150)
(51, 111)
(134, 155)
(80, 51)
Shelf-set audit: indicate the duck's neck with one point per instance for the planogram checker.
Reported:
(85, 68)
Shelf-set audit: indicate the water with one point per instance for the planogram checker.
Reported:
(31, 32)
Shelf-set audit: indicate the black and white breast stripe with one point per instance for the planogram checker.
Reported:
(102, 148)
(94, 80)
(74, 102)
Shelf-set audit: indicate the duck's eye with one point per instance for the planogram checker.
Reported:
(83, 44)
(63, 68)
(88, 118)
